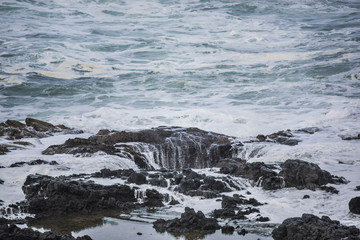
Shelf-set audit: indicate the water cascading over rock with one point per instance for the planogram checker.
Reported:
(167, 147)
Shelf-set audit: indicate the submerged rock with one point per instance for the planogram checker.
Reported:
(357, 137)
(168, 147)
(309, 227)
(189, 222)
(354, 205)
(12, 232)
(33, 162)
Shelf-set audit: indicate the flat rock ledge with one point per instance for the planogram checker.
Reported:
(9, 231)
(189, 222)
(310, 227)
(49, 196)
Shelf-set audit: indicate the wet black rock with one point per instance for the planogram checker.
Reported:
(351, 137)
(48, 196)
(301, 174)
(203, 193)
(12, 232)
(4, 149)
(242, 213)
(107, 173)
(223, 213)
(137, 178)
(189, 222)
(227, 229)
(262, 219)
(174, 202)
(1, 181)
(187, 184)
(33, 128)
(160, 182)
(233, 202)
(329, 189)
(259, 172)
(354, 205)
(79, 146)
(33, 162)
(281, 137)
(357, 188)
(306, 196)
(309, 227)
(153, 198)
(171, 147)
(210, 183)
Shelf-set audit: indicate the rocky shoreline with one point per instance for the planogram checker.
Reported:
(166, 158)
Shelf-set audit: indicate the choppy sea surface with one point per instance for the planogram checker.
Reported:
(239, 68)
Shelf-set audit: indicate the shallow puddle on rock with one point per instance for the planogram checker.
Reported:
(99, 227)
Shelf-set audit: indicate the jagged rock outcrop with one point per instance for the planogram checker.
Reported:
(282, 137)
(302, 174)
(33, 162)
(189, 222)
(12, 232)
(32, 128)
(354, 205)
(168, 147)
(309, 227)
(47, 196)
(293, 173)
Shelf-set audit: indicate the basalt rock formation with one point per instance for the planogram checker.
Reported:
(49, 196)
(168, 147)
(309, 227)
(354, 205)
(32, 128)
(293, 173)
(189, 222)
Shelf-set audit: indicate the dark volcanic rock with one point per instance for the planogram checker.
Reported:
(160, 182)
(33, 162)
(170, 147)
(329, 189)
(354, 205)
(53, 196)
(351, 137)
(153, 198)
(1, 181)
(3, 149)
(33, 128)
(79, 145)
(137, 178)
(233, 202)
(12, 232)
(227, 229)
(282, 137)
(259, 172)
(107, 173)
(310, 227)
(190, 221)
(223, 213)
(301, 174)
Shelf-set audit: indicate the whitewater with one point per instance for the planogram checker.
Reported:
(239, 68)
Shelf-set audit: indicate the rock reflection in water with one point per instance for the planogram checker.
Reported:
(108, 225)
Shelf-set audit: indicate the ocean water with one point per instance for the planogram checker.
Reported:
(239, 68)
